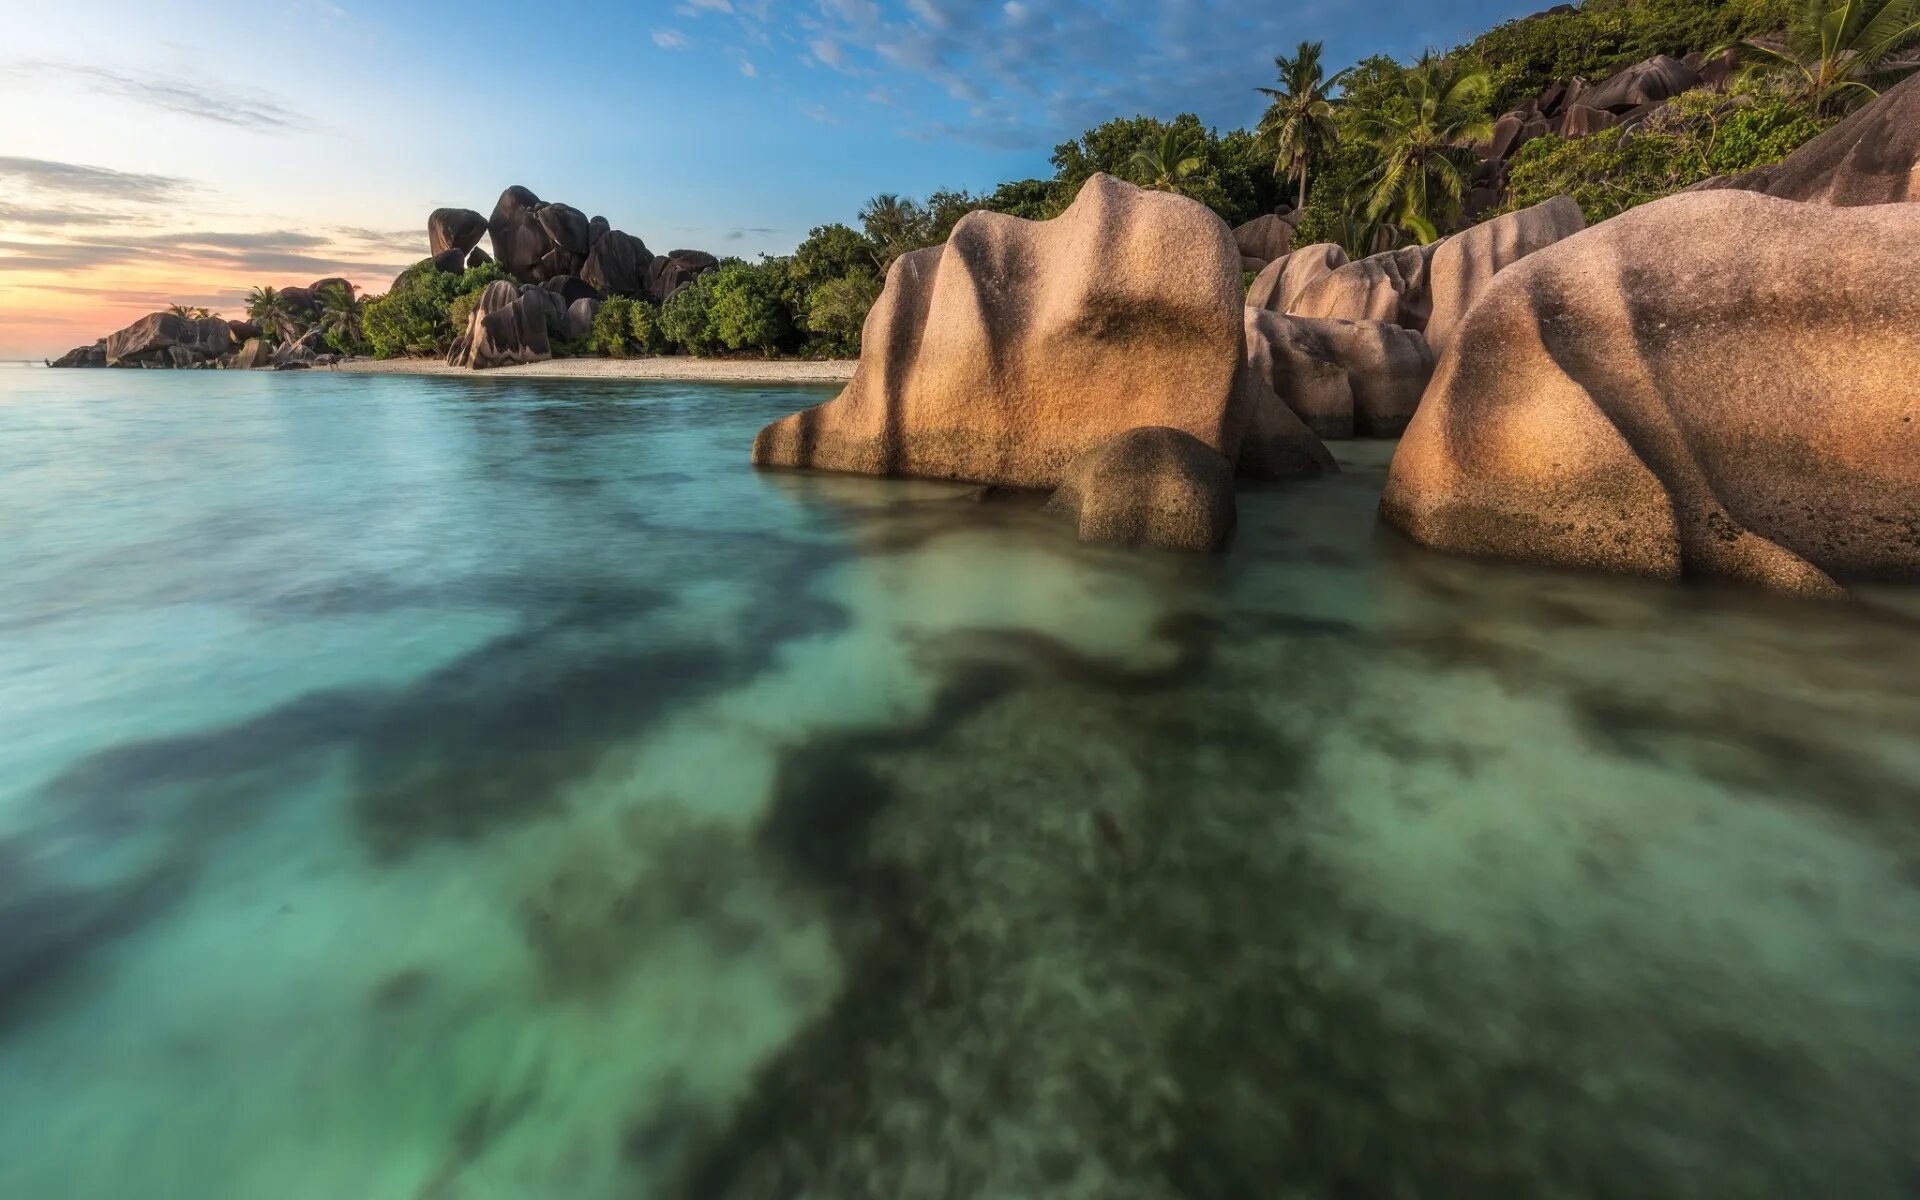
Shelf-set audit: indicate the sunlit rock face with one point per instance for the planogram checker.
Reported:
(1016, 346)
(1342, 378)
(1657, 398)
(1285, 278)
(1872, 157)
(1464, 264)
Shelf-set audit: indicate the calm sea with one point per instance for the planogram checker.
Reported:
(440, 788)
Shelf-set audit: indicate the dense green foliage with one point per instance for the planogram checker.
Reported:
(1697, 137)
(1601, 36)
(416, 316)
(1836, 53)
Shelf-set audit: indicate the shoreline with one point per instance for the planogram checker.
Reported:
(673, 367)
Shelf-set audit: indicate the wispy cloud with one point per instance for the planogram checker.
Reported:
(671, 39)
(104, 183)
(734, 235)
(238, 110)
(21, 214)
(265, 252)
(399, 241)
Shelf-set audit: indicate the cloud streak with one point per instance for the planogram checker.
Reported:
(101, 183)
(238, 110)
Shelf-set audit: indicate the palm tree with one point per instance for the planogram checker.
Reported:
(269, 310)
(1164, 162)
(1300, 120)
(895, 224)
(341, 314)
(1424, 133)
(1839, 52)
(191, 312)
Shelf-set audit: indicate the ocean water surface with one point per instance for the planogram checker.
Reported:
(467, 788)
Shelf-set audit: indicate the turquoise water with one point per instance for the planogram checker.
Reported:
(443, 788)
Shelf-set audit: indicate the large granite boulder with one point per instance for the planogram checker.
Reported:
(571, 288)
(618, 265)
(507, 326)
(1265, 238)
(451, 261)
(251, 356)
(674, 270)
(523, 241)
(454, 229)
(1871, 157)
(1716, 384)
(1018, 345)
(94, 355)
(1152, 486)
(1661, 77)
(148, 339)
(1390, 286)
(579, 318)
(1464, 264)
(1342, 378)
(1276, 443)
(1285, 278)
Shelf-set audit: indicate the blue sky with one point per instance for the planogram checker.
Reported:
(162, 153)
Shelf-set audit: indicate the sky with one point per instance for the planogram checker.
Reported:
(158, 154)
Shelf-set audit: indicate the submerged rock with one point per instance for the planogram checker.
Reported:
(1019, 345)
(1154, 487)
(1657, 397)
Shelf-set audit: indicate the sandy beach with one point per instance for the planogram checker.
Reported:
(676, 367)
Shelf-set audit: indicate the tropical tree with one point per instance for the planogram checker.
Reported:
(1299, 123)
(1163, 163)
(896, 225)
(1836, 53)
(1424, 132)
(342, 318)
(193, 312)
(268, 309)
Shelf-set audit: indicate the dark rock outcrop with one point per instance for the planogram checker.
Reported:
(1151, 486)
(1715, 384)
(1264, 238)
(1659, 78)
(579, 318)
(451, 261)
(674, 270)
(1002, 355)
(618, 265)
(454, 229)
(571, 288)
(508, 326)
(1870, 157)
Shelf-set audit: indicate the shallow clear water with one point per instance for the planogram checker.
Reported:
(482, 788)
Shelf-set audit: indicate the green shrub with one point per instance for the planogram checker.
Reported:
(1697, 136)
(417, 316)
(837, 309)
(748, 311)
(685, 320)
(643, 327)
(613, 328)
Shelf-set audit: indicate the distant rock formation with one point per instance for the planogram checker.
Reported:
(1268, 237)
(454, 229)
(1715, 384)
(1870, 157)
(509, 325)
(1017, 346)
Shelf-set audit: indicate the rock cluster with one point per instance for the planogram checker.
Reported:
(1659, 397)
(1349, 345)
(169, 340)
(540, 242)
(1025, 353)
